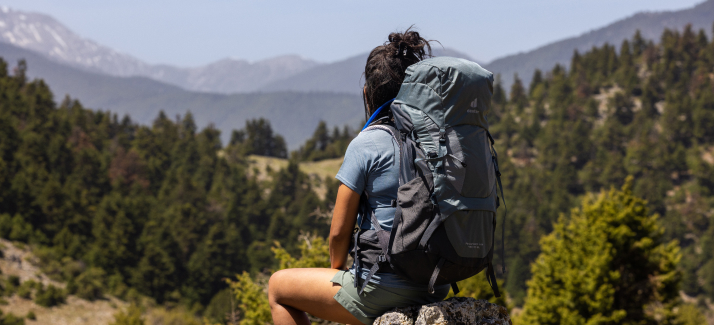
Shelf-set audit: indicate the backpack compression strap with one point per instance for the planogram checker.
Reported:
(500, 187)
(356, 263)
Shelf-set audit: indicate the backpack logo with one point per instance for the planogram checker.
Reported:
(474, 104)
(474, 245)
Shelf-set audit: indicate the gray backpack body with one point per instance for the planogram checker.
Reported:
(445, 220)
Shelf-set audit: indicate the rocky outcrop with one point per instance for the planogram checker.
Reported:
(457, 310)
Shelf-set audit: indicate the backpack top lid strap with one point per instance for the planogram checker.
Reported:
(376, 113)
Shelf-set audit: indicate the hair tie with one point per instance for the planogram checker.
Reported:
(399, 50)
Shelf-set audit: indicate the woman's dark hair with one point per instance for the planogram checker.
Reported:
(387, 63)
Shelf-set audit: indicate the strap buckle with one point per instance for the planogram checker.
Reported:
(381, 258)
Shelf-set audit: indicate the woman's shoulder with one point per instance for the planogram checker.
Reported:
(372, 139)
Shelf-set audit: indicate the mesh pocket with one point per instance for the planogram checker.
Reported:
(415, 212)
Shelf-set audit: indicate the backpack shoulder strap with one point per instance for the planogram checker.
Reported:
(383, 237)
(389, 128)
(395, 135)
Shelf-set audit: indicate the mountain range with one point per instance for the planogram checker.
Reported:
(294, 93)
(45, 35)
(292, 114)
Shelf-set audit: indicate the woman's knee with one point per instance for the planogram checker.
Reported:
(276, 281)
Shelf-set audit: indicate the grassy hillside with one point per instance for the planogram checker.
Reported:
(19, 261)
(318, 171)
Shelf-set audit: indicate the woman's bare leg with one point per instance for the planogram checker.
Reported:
(293, 292)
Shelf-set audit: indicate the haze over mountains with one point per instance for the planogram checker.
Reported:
(292, 114)
(43, 34)
(293, 92)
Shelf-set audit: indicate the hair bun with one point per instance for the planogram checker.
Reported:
(387, 64)
(408, 45)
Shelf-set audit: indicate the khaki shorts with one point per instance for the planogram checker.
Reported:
(377, 299)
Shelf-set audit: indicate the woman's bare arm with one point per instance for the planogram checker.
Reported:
(344, 218)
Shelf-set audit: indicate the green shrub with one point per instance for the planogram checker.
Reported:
(116, 286)
(52, 296)
(58, 270)
(90, 284)
(71, 287)
(220, 306)
(11, 319)
(24, 291)
(131, 316)
(31, 315)
(10, 286)
(133, 296)
(177, 316)
(13, 280)
(21, 230)
(5, 225)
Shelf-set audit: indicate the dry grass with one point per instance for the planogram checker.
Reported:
(75, 311)
(323, 168)
(318, 171)
(18, 260)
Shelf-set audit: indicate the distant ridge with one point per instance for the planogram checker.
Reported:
(45, 35)
(293, 115)
(343, 76)
(650, 24)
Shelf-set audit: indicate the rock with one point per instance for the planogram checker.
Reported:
(457, 310)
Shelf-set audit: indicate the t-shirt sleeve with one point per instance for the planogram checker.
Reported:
(353, 172)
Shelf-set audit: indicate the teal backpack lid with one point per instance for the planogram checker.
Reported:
(451, 91)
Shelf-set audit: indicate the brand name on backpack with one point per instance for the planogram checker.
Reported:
(474, 245)
(473, 111)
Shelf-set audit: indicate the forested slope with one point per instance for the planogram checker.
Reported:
(651, 25)
(163, 209)
(645, 109)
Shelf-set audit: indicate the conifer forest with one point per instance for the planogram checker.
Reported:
(608, 169)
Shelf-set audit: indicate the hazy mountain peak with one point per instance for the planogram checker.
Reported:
(42, 33)
(45, 35)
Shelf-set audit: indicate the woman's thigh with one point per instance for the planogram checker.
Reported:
(311, 291)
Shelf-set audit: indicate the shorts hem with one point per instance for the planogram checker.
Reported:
(344, 299)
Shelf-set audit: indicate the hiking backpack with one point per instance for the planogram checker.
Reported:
(445, 220)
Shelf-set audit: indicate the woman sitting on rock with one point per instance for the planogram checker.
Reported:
(370, 166)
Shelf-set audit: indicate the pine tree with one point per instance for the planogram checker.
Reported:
(518, 95)
(606, 263)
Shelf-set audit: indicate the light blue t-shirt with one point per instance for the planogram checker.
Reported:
(371, 164)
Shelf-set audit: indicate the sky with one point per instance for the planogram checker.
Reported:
(193, 33)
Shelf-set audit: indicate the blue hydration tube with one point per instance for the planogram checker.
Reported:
(371, 118)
